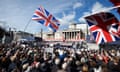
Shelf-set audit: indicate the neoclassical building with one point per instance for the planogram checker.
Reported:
(75, 32)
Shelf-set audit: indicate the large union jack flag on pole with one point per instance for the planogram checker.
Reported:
(100, 25)
(42, 16)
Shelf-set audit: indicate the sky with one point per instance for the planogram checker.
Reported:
(16, 14)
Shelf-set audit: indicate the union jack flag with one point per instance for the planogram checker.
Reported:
(100, 25)
(42, 16)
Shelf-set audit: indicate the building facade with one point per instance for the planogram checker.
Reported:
(20, 35)
(75, 32)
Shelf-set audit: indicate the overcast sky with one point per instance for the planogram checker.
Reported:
(18, 13)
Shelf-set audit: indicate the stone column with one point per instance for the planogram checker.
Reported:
(74, 35)
(65, 35)
(70, 36)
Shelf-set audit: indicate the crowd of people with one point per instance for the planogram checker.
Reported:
(16, 57)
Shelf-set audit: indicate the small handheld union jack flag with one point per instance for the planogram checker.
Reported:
(42, 16)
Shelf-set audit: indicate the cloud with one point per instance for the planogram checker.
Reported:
(60, 7)
(96, 8)
(77, 5)
(17, 13)
(81, 19)
(66, 19)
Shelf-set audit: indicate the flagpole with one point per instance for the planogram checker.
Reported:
(27, 25)
(26, 28)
